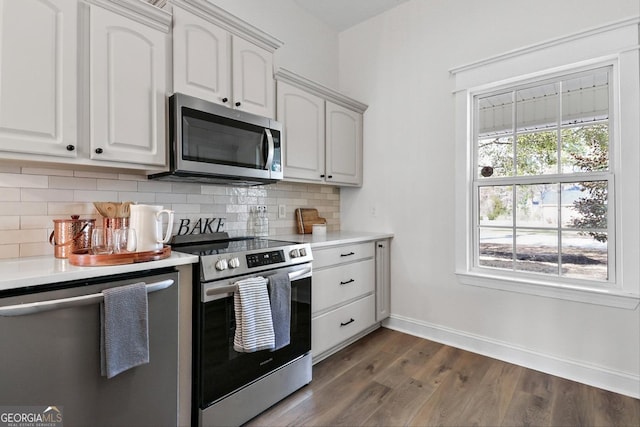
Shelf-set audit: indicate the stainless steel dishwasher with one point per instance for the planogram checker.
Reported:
(51, 353)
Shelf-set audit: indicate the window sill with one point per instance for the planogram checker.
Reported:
(606, 297)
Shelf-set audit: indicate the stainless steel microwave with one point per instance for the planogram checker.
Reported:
(211, 143)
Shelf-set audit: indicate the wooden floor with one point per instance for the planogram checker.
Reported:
(393, 379)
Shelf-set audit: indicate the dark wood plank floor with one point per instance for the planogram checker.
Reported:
(393, 379)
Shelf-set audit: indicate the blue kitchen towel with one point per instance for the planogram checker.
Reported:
(124, 331)
(280, 297)
(254, 327)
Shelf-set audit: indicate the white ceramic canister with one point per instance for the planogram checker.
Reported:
(146, 221)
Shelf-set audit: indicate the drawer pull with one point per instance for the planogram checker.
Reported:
(349, 254)
(346, 323)
(347, 282)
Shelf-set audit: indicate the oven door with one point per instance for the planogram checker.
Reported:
(219, 369)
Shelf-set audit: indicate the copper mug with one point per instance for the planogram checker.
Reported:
(71, 235)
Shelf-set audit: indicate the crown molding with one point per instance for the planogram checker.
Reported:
(229, 22)
(328, 94)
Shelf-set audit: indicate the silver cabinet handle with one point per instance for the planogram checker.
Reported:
(56, 304)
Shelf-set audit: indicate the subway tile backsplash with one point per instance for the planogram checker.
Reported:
(31, 198)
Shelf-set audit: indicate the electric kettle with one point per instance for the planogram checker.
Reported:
(146, 220)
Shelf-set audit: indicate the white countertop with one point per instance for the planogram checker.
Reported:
(40, 270)
(333, 238)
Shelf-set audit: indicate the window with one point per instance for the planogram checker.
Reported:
(543, 178)
(547, 155)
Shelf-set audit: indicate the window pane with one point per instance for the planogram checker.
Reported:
(495, 135)
(537, 251)
(496, 205)
(495, 157)
(537, 153)
(496, 248)
(584, 257)
(585, 98)
(537, 205)
(537, 108)
(495, 115)
(585, 207)
(585, 148)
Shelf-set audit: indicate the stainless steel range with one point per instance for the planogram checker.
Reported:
(231, 387)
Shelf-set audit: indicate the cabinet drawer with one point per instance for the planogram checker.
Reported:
(332, 328)
(333, 286)
(337, 255)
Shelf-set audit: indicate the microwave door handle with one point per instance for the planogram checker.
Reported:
(270, 149)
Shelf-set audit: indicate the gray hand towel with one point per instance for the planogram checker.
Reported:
(124, 331)
(280, 298)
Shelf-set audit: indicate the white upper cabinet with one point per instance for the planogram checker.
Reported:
(128, 86)
(219, 58)
(84, 82)
(201, 53)
(302, 116)
(253, 84)
(38, 76)
(322, 132)
(344, 145)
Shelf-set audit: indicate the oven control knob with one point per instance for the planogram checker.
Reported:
(294, 253)
(303, 252)
(221, 264)
(234, 263)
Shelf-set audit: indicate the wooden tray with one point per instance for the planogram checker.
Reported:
(84, 258)
(306, 218)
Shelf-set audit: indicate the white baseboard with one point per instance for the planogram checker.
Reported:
(597, 376)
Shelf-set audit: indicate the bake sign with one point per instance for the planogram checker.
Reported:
(201, 226)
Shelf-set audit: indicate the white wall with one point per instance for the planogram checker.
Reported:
(398, 64)
(310, 46)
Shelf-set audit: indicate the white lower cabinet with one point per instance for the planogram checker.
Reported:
(337, 326)
(343, 300)
(342, 284)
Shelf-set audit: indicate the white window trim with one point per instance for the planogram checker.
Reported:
(615, 44)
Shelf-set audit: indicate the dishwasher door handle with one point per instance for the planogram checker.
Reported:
(56, 304)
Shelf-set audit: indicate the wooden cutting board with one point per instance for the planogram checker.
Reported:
(306, 218)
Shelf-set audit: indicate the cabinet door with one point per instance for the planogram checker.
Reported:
(201, 58)
(127, 89)
(302, 116)
(334, 286)
(383, 279)
(253, 83)
(343, 145)
(38, 76)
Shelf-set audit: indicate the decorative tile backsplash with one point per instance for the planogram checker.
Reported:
(31, 198)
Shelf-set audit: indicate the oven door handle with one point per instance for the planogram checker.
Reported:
(56, 304)
(294, 275)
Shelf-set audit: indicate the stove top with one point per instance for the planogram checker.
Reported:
(241, 244)
(222, 256)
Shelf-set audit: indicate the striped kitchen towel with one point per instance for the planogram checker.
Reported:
(254, 325)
